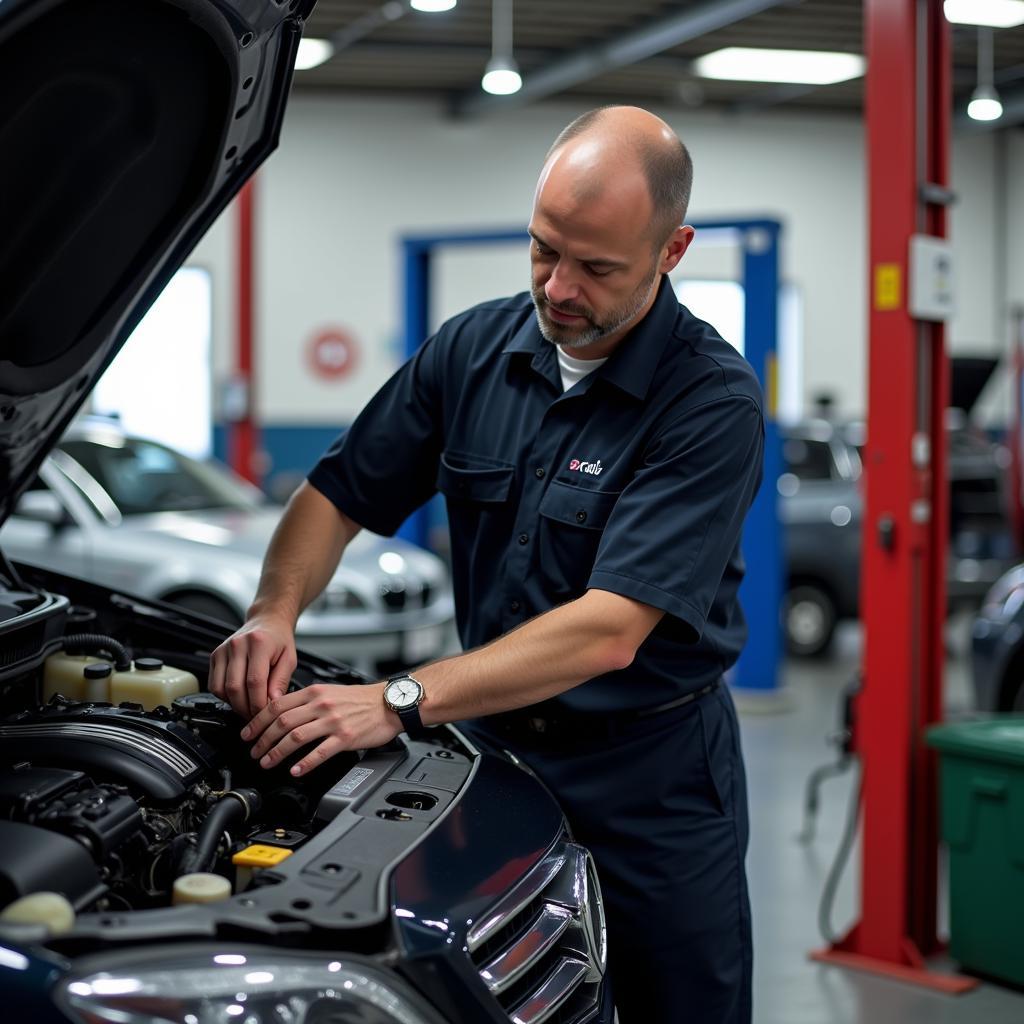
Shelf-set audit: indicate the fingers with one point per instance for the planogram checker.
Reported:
(251, 667)
(281, 726)
(272, 711)
(320, 753)
(295, 729)
(343, 717)
(281, 674)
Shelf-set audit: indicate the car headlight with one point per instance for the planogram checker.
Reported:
(337, 598)
(236, 988)
(1005, 597)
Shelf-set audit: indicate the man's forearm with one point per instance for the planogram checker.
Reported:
(598, 633)
(303, 554)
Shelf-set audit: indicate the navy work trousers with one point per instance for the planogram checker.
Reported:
(662, 806)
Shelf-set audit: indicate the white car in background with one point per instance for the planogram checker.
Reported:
(137, 516)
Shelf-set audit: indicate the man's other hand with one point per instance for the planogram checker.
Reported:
(340, 717)
(254, 665)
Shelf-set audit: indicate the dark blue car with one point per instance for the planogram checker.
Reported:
(150, 871)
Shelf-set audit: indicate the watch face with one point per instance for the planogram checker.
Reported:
(403, 693)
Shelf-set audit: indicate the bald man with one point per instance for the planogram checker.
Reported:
(598, 447)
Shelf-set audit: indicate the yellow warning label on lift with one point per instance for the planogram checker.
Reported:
(259, 856)
(888, 286)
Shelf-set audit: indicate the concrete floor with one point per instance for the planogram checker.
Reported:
(787, 877)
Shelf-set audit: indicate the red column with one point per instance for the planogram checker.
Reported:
(906, 531)
(242, 438)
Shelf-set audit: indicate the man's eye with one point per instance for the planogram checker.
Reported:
(596, 271)
(543, 250)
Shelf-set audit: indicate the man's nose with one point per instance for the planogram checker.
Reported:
(561, 286)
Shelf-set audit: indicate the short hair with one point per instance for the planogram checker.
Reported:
(666, 166)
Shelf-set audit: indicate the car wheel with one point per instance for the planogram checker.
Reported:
(809, 620)
(208, 605)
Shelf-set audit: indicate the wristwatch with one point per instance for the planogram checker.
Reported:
(403, 694)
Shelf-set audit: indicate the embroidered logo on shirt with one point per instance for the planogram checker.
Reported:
(593, 468)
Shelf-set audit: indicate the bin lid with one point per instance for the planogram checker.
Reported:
(994, 739)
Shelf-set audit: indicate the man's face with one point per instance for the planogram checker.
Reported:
(593, 262)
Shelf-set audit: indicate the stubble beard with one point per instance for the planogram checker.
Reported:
(595, 330)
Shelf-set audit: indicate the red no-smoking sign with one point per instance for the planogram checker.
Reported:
(333, 353)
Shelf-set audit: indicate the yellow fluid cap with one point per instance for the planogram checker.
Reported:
(260, 856)
(46, 908)
(200, 887)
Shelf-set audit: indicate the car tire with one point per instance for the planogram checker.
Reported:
(208, 605)
(809, 620)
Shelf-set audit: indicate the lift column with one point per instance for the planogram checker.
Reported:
(903, 602)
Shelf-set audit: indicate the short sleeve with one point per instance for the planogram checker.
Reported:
(385, 465)
(677, 524)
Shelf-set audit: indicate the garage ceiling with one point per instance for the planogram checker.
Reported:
(389, 49)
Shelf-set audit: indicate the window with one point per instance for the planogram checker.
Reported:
(142, 477)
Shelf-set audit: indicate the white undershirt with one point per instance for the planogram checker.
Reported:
(573, 370)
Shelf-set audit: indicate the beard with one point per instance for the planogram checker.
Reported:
(596, 328)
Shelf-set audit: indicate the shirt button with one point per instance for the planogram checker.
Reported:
(514, 606)
(524, 538)
(539, 473)
(581, 516)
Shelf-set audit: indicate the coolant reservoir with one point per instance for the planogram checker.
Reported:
(65, 673)
(200, 887)
(150, 682)
(46, 908)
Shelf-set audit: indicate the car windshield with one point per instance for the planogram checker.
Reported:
(143, 476)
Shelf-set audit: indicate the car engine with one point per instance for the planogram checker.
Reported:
(118, 801)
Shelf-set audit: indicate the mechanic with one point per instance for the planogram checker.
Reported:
(598, 447)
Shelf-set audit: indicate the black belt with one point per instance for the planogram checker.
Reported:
(530, 727)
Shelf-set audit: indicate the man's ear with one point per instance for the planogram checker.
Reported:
(673, 250)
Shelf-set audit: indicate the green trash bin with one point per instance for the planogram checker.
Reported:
(982, 815)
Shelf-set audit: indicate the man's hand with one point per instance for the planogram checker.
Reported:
(254, 665)
(341, 717)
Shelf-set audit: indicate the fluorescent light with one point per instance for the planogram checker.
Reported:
(312, 53)
(502, 77)
(984, 105)
(432, 6)
(996, 13)
(806, 67)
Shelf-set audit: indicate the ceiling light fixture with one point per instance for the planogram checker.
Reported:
(501, 76)
(994, 13)
(803, 67)
(312, 53)
(432, 6)
(985, 104)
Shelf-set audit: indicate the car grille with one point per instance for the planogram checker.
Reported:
(541, 951)
(397, 596)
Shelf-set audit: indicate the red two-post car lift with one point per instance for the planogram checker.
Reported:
(908, 113)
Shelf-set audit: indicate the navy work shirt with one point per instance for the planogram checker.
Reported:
(636, 480)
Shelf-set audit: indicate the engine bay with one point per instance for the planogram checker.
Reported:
(151, 818)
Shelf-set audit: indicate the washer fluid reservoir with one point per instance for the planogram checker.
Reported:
(150, 682)
(65, 674)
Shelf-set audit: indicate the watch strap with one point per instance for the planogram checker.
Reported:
(411, 721)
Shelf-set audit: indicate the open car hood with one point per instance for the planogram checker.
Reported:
(126, 127)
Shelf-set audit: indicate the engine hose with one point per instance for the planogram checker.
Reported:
(232, 808)
(91, 643)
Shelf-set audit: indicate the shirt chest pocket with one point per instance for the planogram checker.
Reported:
(572, 520)
(470, 479)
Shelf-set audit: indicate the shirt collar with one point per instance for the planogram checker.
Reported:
(631, 367)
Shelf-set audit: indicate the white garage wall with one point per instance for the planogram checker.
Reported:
(352, 176)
